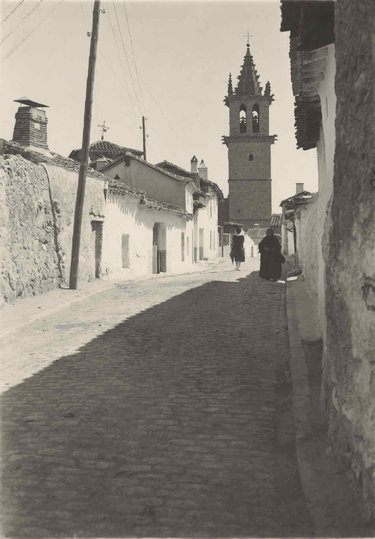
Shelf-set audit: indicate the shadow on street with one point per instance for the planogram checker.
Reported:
(177, 422)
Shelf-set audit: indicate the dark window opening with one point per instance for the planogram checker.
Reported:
(255, 116)
(251, 157)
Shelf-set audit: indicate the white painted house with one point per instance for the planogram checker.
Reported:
(149, 217)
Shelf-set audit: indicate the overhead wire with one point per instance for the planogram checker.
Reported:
(33, 29)
(127, 59)
(13, 10)
(122, 69)
(133, 53)
(21, 21)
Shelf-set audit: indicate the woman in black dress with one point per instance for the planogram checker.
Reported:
(237, 252)
(270, 257)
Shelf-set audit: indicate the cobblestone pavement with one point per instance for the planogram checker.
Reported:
(174, 421)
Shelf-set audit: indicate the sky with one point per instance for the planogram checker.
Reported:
(167, 61)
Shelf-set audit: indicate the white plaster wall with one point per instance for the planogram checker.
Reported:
(308, 247)
(124, 215)
(325, 154)
(153, 182)
(207, 218)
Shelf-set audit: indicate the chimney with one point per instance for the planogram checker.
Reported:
(31, 124)
(299, 188)
(194, 164)
(202, 170)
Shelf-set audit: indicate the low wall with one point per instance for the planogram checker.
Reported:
(36, 223)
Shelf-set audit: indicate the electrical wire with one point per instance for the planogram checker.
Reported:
(13, 10)
(33, 30)
(127, 59)
(21, 21)
(120, 61)
(133, 53)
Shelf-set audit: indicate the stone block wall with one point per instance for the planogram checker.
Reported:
(241, 167)
(349, 369)
(250, 202)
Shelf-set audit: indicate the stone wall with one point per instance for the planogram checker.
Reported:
(349, 370)
(36, 223)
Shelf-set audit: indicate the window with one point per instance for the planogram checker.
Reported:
(251, 157)
(255, 115)
(243, 119)
(187, 245)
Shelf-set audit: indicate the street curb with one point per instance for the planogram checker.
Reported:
(103, 287)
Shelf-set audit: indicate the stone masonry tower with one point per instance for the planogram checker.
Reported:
(249, 147)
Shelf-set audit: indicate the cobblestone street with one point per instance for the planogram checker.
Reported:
(160, 408)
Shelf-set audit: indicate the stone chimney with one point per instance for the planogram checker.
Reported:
(299, 188)
(31, 124)
(203, 170)
(194, 164)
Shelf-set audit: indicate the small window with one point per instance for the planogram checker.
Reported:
(251, 157)
(117, 177)
(182, 246)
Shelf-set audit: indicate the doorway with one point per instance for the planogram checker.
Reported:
(97, 232)
(159, 248)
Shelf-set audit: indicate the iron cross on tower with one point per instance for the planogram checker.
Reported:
(104, 129)
(248, 36)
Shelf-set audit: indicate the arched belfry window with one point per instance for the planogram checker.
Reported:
(243, 119)
(255, 116)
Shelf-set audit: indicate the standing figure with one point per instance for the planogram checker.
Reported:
(270, 257)
(237, 252)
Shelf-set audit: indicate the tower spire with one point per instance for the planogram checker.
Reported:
(248, 78)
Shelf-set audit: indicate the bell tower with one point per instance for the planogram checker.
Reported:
(249, 147)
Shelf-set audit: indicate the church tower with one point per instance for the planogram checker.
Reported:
(249, 147)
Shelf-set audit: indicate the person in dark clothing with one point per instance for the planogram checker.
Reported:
(270, 257)
(237, 252)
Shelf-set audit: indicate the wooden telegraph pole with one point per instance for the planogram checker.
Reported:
(85, 149)
(144, 137)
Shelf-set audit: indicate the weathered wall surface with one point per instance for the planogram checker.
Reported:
(36, 224)
(28, 258)
(349, 369)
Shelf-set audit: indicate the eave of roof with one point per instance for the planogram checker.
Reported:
(311, 26)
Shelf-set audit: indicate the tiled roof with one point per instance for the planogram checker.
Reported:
(256, 232)
(276, 219)
(104, 148)
(311, 26)
(175, 169)
(55, 159)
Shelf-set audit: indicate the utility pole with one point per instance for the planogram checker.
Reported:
(144, 137)
(85, 149)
